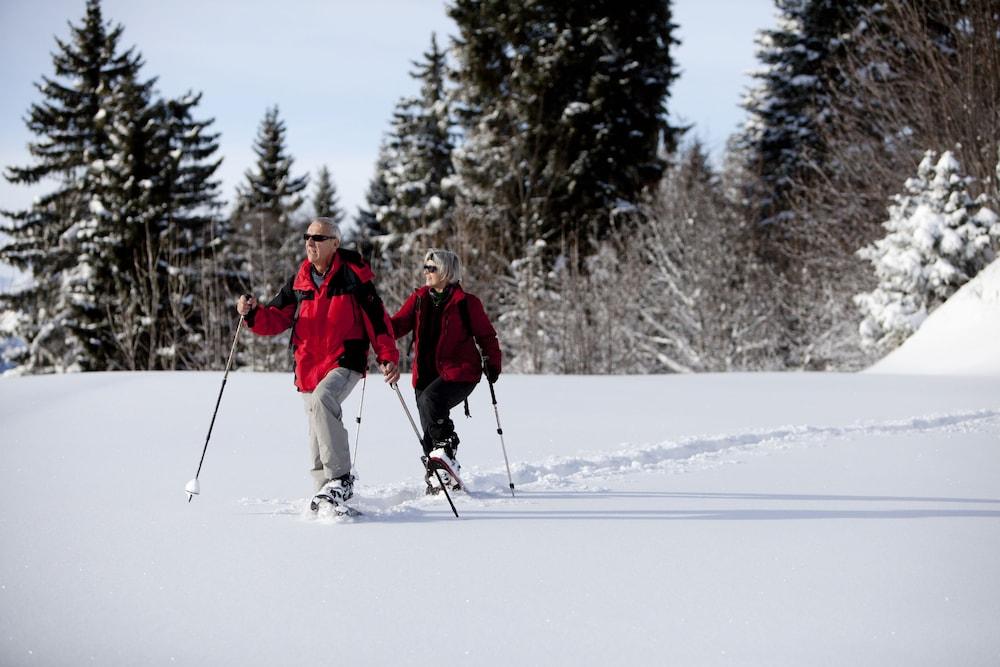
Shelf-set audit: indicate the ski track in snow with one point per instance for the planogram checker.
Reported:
(406, 501)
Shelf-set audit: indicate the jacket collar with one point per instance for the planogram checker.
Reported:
(455, 288)
(303, 279)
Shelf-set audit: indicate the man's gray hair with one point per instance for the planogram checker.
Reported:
(331, 225)
(447, 262)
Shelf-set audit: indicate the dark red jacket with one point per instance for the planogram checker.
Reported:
(457, 355)
(331, 326)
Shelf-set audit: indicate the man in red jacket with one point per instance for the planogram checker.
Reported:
(334, 313)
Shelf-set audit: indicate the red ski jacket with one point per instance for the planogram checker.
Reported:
(331, 326)
(457, 357)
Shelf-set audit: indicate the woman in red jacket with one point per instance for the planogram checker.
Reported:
(453, 341)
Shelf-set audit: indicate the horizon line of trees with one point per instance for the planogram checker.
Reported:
(859, 195)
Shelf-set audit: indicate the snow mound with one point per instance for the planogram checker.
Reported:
(960, 337)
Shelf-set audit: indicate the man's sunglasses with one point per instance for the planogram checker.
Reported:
(430, 268)
(318, 238)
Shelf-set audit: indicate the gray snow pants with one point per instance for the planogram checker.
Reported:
(329, 449)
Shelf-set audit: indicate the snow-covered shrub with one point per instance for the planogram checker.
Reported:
(939, 238)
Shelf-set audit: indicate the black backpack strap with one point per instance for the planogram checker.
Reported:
(463, 312)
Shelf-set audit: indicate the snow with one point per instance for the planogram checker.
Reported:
(960, 336)
(772, 519)
(575, 108)
(97, 207)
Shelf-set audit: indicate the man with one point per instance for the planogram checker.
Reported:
(334, 313)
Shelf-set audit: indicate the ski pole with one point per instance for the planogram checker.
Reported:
(417, 433)
(503, 447)
(193, 487)
(357, 432)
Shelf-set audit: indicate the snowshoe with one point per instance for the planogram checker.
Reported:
(442, 463)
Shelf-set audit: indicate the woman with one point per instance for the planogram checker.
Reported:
(447, 324)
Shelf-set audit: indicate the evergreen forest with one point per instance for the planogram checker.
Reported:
(861, 192)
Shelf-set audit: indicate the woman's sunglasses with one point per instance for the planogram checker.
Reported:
(430, 268)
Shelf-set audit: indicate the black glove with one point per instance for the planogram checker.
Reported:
(492, 373)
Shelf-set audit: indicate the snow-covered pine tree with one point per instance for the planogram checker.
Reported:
(803, 257)
(187, 277)
(418, 152)
(149, 240)
(410, 199)
(938, 239)
(265, 227)
(61, 242)
(326, 201)
(120, 238)
(563, 113)
(563, 108)
(201, 272)
(783, 140)
(376, 197)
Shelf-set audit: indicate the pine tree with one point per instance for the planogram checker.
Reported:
(326, 202)
(119, 239)
(174, 281)
(201, 270)
(410, 199)
(265, 225)
(118, 253)
(939, 238)
(783, 140)
(376, 197)
(563, 107)
(802, 257)
(418, 154)
(265, 206)
(62, 241)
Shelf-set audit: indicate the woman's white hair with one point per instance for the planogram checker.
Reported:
(447, 262)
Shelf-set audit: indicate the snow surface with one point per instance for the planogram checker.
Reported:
(771, 519)
(960, 336)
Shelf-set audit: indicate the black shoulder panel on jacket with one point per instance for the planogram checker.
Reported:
(352, 257)
(285, 296)
(463, 312)
(370, 302)
(344, 281)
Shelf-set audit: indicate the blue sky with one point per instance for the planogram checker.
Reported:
(336, 68)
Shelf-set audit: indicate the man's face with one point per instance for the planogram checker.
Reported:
(320, 253)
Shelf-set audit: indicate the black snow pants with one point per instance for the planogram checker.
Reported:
(434, 404)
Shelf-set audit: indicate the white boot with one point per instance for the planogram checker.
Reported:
(334, 492)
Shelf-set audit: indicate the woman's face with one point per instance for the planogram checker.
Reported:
(433, 277)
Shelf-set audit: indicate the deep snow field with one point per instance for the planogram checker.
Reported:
(769, 519)
(740, 519)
